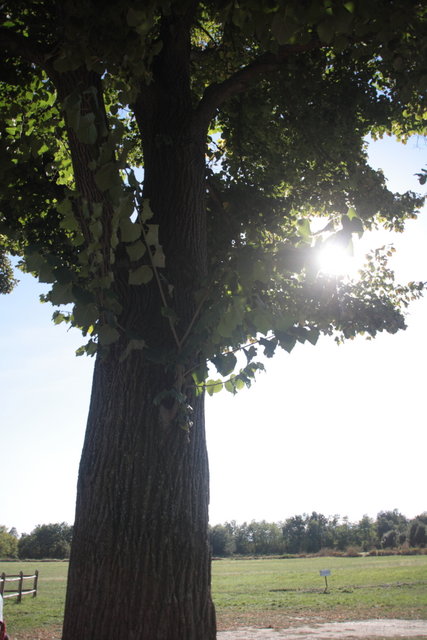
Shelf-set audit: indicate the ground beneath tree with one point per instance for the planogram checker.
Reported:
(366, 629)
(298, 630)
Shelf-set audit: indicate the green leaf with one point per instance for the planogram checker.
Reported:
(146, 212)
(72, 107)
(261, 320)
(283, 322)
(214, 386)
(250, 353)
(238, 382)
(85, 315)
(349, 6)
(304, 229)
(46, 274)
(286, 340)
(34, 261)
(135, 344)
(89, 349)
(226, 325)
(136, 250)
(357, 226)
(230, 387)
(230, 319)
(59, 317)
(158, 258)
(152, 235)
(142, 275)
(283, 28)
(133, 182)
(65, 207)
(353, 224)
(260, 272)
(106, 176)
(107, 335)
(125, 207)
(325, 31)
(313, 336)
(96, 229)
(225, 363)
(269, 346)
(86, 130)
(61, 294)
(200, 374)
(135, 18)
(129, 231)
(88, 135)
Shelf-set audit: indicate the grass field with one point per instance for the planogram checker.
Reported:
(264, 592)
(281, 592)
(44, 610)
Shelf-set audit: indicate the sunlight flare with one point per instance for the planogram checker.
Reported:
(337, 260)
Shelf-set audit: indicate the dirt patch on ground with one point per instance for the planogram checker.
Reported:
(366, 629)
(45, 633)
(298, 629)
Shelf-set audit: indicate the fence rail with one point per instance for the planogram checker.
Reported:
(19, 591)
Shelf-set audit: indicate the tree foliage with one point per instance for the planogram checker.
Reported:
(162, 166)
(264, 81)
(8, 543)
(313, 533)
(46, 541)
(7, 281)
(417, 535)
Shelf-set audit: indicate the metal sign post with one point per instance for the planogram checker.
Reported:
(325, 573)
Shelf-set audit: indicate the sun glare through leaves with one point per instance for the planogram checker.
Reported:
(337, 260)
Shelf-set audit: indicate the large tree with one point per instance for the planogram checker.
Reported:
(161, 163)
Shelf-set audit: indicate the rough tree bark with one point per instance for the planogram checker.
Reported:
(140, 560)
(140, 565)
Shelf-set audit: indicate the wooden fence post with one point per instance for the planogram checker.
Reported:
(21, 582)
(2, 583)
(36, 579)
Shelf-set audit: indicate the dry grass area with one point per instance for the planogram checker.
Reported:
(280, 620)
(45, 633)
(356, 630)
(281, 627)
(293, 628)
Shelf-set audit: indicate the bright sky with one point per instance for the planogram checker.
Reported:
(340, 430)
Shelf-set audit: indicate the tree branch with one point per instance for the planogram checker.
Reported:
(242, 79)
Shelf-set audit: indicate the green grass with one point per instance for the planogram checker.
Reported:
(48, 607)
(393, 586)
(244, 590)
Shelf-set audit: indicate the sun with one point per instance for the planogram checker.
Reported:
(336, 260)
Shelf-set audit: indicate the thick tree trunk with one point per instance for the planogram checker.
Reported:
(140, 564)
(140, 559)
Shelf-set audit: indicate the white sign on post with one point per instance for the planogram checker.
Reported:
(325, 573)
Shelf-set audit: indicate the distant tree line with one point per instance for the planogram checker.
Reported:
(45, 541)
(301, 534)
(310, 533)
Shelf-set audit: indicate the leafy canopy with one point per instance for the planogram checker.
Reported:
(283, 94)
